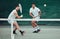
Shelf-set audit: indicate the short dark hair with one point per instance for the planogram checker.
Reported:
(33, 3)
(17, 6)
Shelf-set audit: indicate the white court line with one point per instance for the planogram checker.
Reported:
(50, 29)
(12, 35)
(45, 29)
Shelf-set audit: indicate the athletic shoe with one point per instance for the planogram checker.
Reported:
(14, 32)
(38, 30)
(22, 33)
(35, 31)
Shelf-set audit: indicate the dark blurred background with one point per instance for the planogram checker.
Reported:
(51, 11)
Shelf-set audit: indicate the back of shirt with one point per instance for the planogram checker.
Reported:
(11, 15)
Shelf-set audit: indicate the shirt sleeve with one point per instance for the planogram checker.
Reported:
(38, 9)
(14, 11)
(30, 10)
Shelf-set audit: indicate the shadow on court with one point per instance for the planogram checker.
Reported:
(47, 32)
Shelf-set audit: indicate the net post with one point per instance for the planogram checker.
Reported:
(12, 35)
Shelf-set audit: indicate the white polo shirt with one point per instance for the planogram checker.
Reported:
(34, 11)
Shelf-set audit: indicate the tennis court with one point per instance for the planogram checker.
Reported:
(47, 10)
(47, 32)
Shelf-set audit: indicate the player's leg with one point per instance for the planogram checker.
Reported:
(14, 31)
(17, 27)
(35, 26)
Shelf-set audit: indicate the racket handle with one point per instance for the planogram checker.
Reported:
(21, 16)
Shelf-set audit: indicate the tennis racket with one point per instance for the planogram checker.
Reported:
(20, 9)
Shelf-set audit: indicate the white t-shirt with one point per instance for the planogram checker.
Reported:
(34, 11)
(11, 15)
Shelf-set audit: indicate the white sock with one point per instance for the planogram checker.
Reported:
(34, 29)
(37, 27)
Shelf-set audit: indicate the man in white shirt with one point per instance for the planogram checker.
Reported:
(35, 14)
(14, 15)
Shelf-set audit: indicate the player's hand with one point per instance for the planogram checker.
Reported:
(18, 17)
(21, 16)
(34, 17)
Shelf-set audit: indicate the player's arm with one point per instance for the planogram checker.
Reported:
(32, 15)
(39, 12)
(17, 16)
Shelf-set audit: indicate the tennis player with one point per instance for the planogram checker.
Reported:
(35, 14)
(14, 15)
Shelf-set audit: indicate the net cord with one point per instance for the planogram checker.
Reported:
(31, 19)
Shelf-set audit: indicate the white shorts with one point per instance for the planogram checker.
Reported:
(36, 19)
(10, 21)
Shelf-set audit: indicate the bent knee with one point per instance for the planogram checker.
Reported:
(33, 22)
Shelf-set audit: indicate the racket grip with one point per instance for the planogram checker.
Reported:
(21, 16)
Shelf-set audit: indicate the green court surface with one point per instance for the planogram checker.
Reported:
(47, 32)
